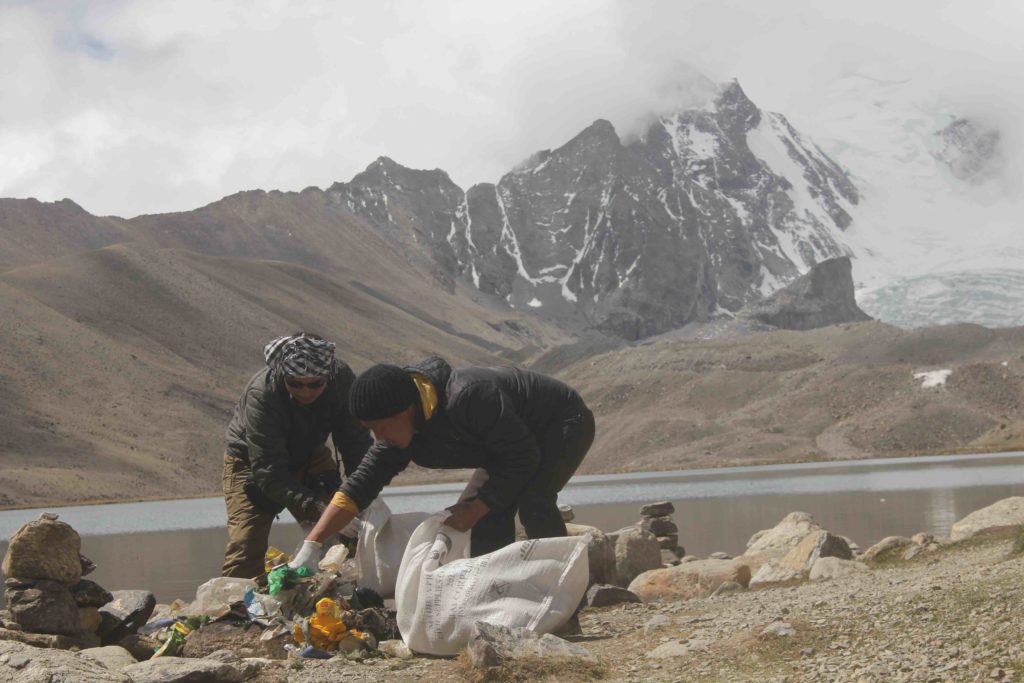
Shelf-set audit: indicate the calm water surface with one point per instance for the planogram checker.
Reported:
(170, 547)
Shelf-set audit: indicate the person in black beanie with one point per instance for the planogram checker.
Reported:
(527, 431)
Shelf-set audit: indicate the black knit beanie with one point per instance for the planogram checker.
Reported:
(380, 392)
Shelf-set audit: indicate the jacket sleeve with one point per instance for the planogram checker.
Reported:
(513, 455)
(350, 437)
(378, 467)
(268, 453)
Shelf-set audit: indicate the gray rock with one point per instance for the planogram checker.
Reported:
(784, 536)
(113, 657)
(1003, 514)
(182, 670)
(660, 526)
(90, 594)
(662, 508)
(719, 556)
(603, 595)
(128, 611)
(27, 664)
(669, 557)
(780, 629)
(46, 607)
(491, 645)
(600, 552)
(88, 566)
(821, 297)
(636, 551)
(828, 568)
(775, 574)
(885, 548)
(44, 549)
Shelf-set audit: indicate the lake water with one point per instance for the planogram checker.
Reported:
(170, 547)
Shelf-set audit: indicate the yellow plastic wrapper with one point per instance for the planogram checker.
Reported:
(326, 627)
(274, 558)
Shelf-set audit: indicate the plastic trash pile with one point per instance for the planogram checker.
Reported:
(298, 613)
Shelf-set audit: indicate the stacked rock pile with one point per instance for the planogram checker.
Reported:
(49, 604)
(657, 519)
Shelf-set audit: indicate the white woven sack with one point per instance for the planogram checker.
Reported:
(441, 592)
(382, 540)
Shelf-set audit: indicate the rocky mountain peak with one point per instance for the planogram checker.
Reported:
(714, 207)
(821, 297)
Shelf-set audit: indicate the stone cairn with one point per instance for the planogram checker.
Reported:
(49, 604)
(657, 519)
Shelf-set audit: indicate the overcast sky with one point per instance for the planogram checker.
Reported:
(150, 106)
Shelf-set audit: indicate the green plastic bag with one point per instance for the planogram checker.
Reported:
(283, 578)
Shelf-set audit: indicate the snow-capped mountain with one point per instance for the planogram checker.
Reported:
(711, 208)
(938, 237)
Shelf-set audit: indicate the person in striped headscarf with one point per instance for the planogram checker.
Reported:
(277, 455)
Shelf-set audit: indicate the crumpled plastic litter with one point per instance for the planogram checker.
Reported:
(174, 637)
(334, 559)
(283, 578)
(260, 606)
(324, 629)
(214, 598)
(274, 558)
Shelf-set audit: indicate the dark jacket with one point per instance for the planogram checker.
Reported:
(278, 437)
(492, 418)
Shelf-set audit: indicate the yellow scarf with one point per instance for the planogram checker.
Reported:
(428, 394)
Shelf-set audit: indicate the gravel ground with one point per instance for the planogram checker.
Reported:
(951, 615)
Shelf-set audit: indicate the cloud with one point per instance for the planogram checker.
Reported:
(148, 106)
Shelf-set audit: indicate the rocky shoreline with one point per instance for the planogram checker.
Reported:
(801, 604)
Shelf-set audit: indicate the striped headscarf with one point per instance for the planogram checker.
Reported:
(300, 355)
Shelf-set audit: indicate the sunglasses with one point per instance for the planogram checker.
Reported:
(296, 384)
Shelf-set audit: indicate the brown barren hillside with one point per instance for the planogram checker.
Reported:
(121, 365)
(845, 391)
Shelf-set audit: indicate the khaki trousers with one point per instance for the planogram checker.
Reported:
(248, 527)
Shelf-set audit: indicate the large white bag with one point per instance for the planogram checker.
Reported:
(382, 540)
(441, 592)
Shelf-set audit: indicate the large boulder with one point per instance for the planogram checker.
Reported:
(123, 616)
(774, 574)
(491, 645)
(784, 536)
(830, 568)
(43, 606)
(44, 549)
(182, 670)
(815, 545)
(886, 548)
(20, 663)
(1003, 514)
(600, 552)
(636, 551)
(689, 580)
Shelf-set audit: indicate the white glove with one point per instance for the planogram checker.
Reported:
(308, 556)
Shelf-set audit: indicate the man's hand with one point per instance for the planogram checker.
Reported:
(466, 514)
(308, 556)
